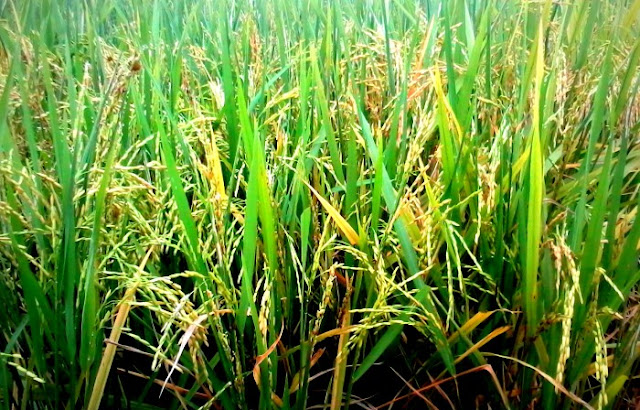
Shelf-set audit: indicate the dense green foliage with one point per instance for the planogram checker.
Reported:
(313, 203)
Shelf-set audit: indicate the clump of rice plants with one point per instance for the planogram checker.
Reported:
(319, 204)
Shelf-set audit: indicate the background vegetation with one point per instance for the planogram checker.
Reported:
(307, 203)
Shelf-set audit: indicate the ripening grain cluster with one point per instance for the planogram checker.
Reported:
(292, 204)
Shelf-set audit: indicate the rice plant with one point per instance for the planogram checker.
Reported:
(319, 204)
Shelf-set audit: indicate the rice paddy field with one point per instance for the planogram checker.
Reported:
(319, 204)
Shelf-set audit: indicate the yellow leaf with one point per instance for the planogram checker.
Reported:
(437, 82)
(342, 223)
(470, 325)
(213, 158)
(497, 332)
